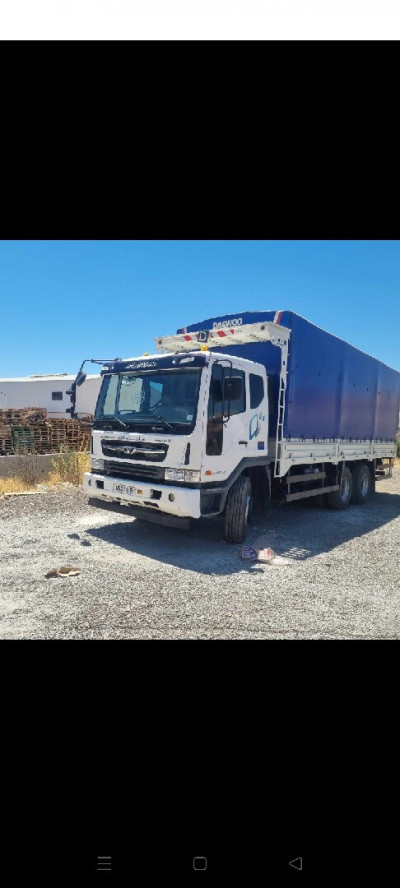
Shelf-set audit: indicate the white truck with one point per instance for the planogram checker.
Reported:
(232, 412)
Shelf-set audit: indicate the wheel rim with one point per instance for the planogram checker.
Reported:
(344, 489)
(364, 483)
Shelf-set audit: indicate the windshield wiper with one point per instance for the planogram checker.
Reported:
(164, 421)
(112, 420)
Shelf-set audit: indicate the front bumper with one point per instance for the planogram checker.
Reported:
(153, 498)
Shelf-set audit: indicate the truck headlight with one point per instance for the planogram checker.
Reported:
(174, 475)
(96, 463)
(190, 475)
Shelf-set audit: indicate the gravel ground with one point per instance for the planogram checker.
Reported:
(341, 578)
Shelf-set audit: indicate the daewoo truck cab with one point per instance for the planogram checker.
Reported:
(233, 411)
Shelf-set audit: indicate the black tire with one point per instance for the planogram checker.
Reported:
(237, 510)
(340, 499)
(362, 484)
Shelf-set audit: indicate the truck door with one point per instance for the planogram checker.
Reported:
(215, 428)
(236, 415)
(258, 417)
(226, 408)
(237, 421)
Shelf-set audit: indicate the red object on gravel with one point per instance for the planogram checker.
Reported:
(247, 553)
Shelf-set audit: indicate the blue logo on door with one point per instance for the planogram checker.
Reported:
(254, 427)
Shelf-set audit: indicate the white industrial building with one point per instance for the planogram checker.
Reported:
(50, 392)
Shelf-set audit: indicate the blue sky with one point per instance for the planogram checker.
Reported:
(62, 301)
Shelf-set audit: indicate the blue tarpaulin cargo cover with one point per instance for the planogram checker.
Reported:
(334, 391)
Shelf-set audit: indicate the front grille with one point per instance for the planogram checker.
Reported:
(136, 473)
(135, 450)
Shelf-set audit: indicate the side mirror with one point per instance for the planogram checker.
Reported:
(80, 378)
(233, 388)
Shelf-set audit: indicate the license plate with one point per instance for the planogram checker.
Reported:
(124, 488)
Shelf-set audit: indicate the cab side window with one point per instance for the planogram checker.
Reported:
(256, 390)
(236, 404)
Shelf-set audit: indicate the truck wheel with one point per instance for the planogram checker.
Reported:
(362, 484)
(340, 499)
(237, 510)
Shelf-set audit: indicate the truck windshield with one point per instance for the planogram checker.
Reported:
(166, 399)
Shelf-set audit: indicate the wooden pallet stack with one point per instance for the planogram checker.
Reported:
(42, 436)
(6, 441)
(22, 415)
(85, 427)
(58, 433)
(36, 431)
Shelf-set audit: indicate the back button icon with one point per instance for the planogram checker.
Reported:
(297, 863)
